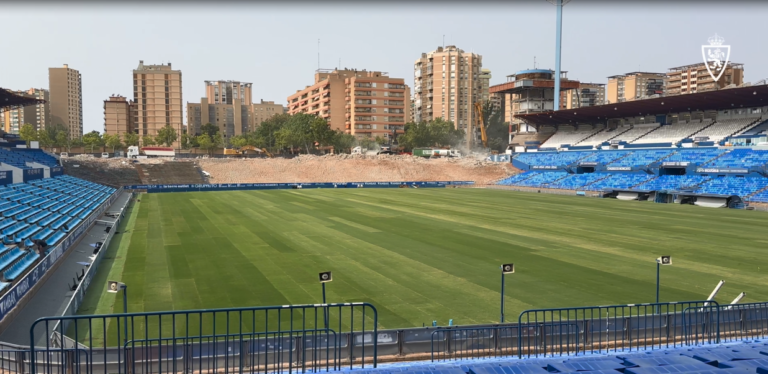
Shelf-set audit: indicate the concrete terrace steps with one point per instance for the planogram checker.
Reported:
(607, 140)
(176, 172)
(652, 130)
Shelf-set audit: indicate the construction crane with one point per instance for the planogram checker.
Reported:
(481, 123)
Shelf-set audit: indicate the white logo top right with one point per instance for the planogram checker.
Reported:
(716, 56)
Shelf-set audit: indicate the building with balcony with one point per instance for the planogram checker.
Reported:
(358, 102)
(696, 78)
(447, 84)
(66, 93)
(118, 116)
(157, 98)
(635, 86)
(38, 115)
(529, 91)
(588, 94)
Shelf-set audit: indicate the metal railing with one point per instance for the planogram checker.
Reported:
(291, 338)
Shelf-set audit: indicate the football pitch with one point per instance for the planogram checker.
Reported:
(420, 255)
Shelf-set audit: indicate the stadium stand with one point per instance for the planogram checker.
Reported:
(760, 196)
(637, 131)
(19, 158)
(569, 135)
(605, 135)
(743, 357)
(642, 158)
(578, 181)
(42, 209)
(604, 157)
(738, 186)
(621, 181)
(740, 158)
(542, 179)
(760, 127)
(673, 182)
(725, 128)
(510, 181)
(551, 158)
(674, 133)
(696, 155)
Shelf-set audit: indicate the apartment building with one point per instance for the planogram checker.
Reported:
(227, 92)
(696, 78)
(157, 99)
(262, 111)
(587, 94)
(118, 116)
(447, 83)
(66, 99)
(228, 105)
(38, 115)
(360, 102)
(634, 86)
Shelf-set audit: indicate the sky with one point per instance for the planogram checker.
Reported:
(274, 45)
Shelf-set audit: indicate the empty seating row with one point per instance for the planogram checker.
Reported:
(605, 135)
(673, 133)
(642, 158)
(621, 181)
(673, 183)
(733, 186)
(551, 158)
(572, 137)
(577, 181)
(741, 158)
(18, 268)
(724, 128)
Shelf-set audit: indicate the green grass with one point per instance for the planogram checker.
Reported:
(423, 255)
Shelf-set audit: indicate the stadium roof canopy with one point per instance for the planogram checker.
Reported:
(731, 98)
(10, 100)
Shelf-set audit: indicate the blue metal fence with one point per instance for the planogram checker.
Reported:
(291, 338)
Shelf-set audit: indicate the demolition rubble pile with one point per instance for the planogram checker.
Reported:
(354, 168)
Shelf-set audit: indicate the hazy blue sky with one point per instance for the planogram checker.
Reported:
(275, 46)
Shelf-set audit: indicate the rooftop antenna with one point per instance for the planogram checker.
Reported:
(318, 54)
(443, 40)
(534, 62)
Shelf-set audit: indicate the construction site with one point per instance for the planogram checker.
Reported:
(301, 169)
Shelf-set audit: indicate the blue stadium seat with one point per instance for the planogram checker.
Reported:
(55, 238)
(673, 182)
(741, 158)
(641, 158)
(739, 186)
(42, 234)
(26, 234)
(9, 257)
(15, 228)
(542, 179)
(20, 266)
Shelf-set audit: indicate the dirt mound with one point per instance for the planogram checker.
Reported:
(354, 168)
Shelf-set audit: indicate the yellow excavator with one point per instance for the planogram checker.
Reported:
(481, 123)
(245, 150)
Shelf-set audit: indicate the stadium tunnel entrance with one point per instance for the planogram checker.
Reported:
(672, 170)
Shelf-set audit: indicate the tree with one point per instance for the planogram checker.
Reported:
(186, 141)
(44, 138)
(238, 141)
(206, 143)
(209, 129)
(380, 141)
(131, 139)
(93, 139)
(113, 141)
(147, 141)
(166, 136)
(367, 143)
(435, 133)
(297, 132)
(265, 134)
(342, 142)
(28, 133)
(62, 140)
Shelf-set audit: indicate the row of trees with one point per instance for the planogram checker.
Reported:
(58, 136)
(283, 132)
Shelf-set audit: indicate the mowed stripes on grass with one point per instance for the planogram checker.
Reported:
(427, 254)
